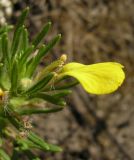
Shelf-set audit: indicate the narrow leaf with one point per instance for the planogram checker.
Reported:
(4, 155)
(38, 141)
(22, 18)
(4, 29)
(5, 47)
(24, 40)
(39, 111)
(31, 156)
(42, 52)
(44, 146)
(14, 77)
(50, 45)
(62, 94)
(16, 41)
(40, 84)
(25, 55)
(15, 154)
(32, 64)
(18, 31)
(41, 35)
(1, 52)
(51, 99)
(66, 86)
(47, 48)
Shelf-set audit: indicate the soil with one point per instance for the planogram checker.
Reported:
(90, 127)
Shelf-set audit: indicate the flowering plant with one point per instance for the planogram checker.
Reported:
(23, 84)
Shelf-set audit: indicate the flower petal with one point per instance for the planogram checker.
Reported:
(100, 78)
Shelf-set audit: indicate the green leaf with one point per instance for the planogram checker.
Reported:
(5, 47)
(42, 33)
(16, 41)
(25, 55)
(62, 93)
(3, 121)
(6, 28)
(14, 118)
(42, 144)
(22, 18)
(15, 155)
(50, 45)
(34, 62)
(31, 156)
(1, 52)
(14, 77)
(26, 144)
(4, 78)
(30, 111)
(51, 99)
(40, 84)
(24, 40)
(33, 141)
(4, 155)
(66, 86)
(42, 52)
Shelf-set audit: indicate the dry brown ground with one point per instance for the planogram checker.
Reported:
(91, 127)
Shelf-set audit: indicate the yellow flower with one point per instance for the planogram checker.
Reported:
(100, 78)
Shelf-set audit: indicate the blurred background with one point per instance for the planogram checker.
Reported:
(90, 127)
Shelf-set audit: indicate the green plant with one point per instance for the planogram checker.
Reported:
(23, 84)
